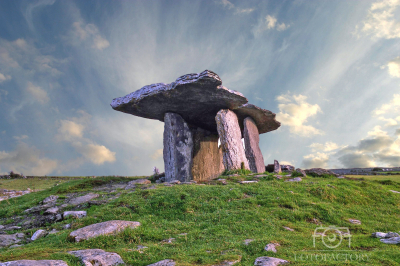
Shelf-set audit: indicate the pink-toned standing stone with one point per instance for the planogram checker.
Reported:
(252, 149)
(231, 141)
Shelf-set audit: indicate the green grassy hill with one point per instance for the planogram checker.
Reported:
(210, 222)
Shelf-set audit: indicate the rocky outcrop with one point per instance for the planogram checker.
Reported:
(34, 263)
(163, 263)
(197, 98)
(82, 199)
(318, 172)
(8, 240)
(269, 261)
(75, 214)
(231, 141)
(207, 157)
(178, 148)
(132, 184)
(277, 167)
(287, 167)
(302, 172)
(97, 257)
(104, 228)
(252, 149)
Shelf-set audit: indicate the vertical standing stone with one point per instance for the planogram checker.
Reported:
(231, 141)
(277, 167)
(252, 150)
(178, 148)
(207, 157)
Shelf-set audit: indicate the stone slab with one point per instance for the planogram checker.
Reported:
(97, 257)
(34, 263)
(252, 149)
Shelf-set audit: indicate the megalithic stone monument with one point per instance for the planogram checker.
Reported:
(251, 140)
(194, 100)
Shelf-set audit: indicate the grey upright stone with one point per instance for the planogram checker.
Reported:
(207, 157)
(178, 148)
(251, 140)
(231, 141)
(277, 167)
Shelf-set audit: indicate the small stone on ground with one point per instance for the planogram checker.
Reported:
(97, 257)
(163, 263)
(34, 263)
(38, 234)
(288, 228)
(269, 261)
(271, 247)
(354, 221)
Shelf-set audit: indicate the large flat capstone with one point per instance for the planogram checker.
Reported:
(97, 257)
(104, 228)
(264, 119)
(252, 149)
(231, 141)
(178, 148)
(207, 157)
(196, 97)
(34, 263)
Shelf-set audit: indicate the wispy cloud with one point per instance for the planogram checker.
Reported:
(89, 34)
(227, 4)
(394, 67)
(268, 23)
(4, 77)
(393, 106)
(294, 112)
(38, 93)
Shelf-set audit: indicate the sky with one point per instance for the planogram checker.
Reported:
(330, 70)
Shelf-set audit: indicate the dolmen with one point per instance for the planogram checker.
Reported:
(197, 111)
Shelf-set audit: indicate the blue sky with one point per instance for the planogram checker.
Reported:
(330, 70)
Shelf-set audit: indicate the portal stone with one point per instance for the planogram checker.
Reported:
(178, 148)
(231, 141)
(277, 167)
(252, 149)
(207, 157)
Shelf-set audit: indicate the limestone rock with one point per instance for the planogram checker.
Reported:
(392, 240)
(264, 119)
(34, 263)
(8, 240)
(296, 179)
(76, 214)
(269, 261)
(302, 172)
(132, 184)
(319, 172)
(354, 221)
(52, 210)
(231, 141)
(104, 228)
(82, 199)
(39, 234)
(385, 235)
(252, 149)
(247, 241)
(163, 263)
(207, 157)
(97, 257)
(277, 167)
(50, 199)
(178, 148)
(248, 181)
(197, 98)
(271, 247)
(287, 167)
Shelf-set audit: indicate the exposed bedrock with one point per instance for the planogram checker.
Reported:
(178, 148)
(252, 149)
(207, 157)
(231, 141)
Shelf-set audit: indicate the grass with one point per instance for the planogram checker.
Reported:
(36, 183)
(210, 222)
(395, 178)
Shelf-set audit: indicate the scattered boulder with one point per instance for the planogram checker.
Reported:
(287, 167)
(163, 263)
(247, 241)
(271, 247)
(104, 228)
(277, 167)
(97, 257)
(39, 234)
(269, 261)
(50, 199)
(178, 148)
(34, 263)
(296, 179)
(82, 199)
(75, 214)
(8, 240)
(252, 149)
(52, 210)
(67, 226)
(318, 172)
(392, 240)
(385, 235)
(354, 221)
(288, 228)
(231, 140)
(303, 173)
(248, 182)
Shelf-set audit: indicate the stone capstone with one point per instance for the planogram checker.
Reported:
(269, 261)
(8, 240)
(197, 98)
(104, 228)
(97, 257)
(277, 167)
(178, 148)
(263, 119)
(34, 263)
(231, 141)
(252, 149)
(163, 263)
(39, 234)
(207, 157)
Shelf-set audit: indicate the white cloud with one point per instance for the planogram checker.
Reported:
(157, 154)
(238, 10)
(327, 147)
(392, 106)
(381, 21)
(227, 4)
(390, 121)
(268, 23)
(318, 160)
(97, 154)
(21, 137)
(294, 112)
(38, 93)
(282, 27)
(27, 160)
(71, 129)
(4, 77)
(394, 67)
(88, 33)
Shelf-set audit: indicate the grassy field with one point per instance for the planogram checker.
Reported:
(210, 222)
(36, 183)
(395, 178)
